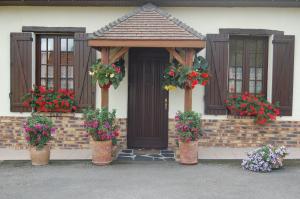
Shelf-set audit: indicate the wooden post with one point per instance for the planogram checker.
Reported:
(104, 91)
(188, 92)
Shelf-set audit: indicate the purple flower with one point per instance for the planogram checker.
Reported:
(106, 125)
(52, 130)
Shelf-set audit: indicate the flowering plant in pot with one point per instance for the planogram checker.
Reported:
(42, 99)
(188, 128)
(252, 105)
(265, 158)
(38, 131)
(108, 74)
(176, 75)
(101, 126)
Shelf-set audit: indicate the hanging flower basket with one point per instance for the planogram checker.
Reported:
(108, 74)
(186, 77)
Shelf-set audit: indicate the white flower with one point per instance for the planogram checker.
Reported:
(91, 73)
(112, 75)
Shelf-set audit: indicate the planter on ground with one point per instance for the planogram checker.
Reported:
(40, 157)
(101, 126)
(38, 132)
(188, 130)
(188, 152)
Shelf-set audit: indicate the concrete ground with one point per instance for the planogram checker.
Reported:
(210, 179)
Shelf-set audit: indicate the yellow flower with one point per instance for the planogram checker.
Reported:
(170, 87)
(91, 73)
(112, 75)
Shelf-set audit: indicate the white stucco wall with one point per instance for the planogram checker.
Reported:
(205, 20)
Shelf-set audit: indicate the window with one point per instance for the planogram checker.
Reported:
(55, 61)
(248, 61)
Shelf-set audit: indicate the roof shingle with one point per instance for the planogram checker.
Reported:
(147, 22)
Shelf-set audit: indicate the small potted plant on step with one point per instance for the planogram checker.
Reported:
(102, 127)
(188, 130)
(38, 132)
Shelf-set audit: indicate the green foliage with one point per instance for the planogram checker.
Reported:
(38, 130)
(101, 124)
(176, 75)
(188, 126)
(108, 74)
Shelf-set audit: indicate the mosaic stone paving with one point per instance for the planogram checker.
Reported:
(146, 155)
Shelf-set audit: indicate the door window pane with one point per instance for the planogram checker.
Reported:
(239, 73)
(70, 45)
(63, 44)
(50, 44)
(43, 44)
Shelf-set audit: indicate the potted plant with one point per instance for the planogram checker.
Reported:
(256, 106)
(186, 77)
(38, 132)
(108, 74)
(188, 130)
(102, 127)
(265, 159)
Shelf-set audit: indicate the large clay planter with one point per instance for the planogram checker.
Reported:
(102, 152)
(40, 157)
(188, 152)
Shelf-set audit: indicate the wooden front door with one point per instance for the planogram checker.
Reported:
(147, 102)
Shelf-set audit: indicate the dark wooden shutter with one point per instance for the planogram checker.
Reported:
(85, 56)
(216, 90)
(20, 69)
(283, 72)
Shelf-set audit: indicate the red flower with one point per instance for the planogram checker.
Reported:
(277, 111)
(204, 75)
(172, 73)
(74, 108)
(42, 89)
(204, 83)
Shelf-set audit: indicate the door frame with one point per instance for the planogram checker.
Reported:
(128, 102)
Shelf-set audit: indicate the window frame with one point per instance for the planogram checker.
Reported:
(56, 62)
(245, 63)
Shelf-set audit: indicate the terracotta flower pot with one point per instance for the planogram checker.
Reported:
(102, 152)
(188, 152)
(40, 157)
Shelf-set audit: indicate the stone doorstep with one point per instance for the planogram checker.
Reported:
(82, 154)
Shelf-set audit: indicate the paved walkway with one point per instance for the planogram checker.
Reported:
(81, 154)
(146, 180)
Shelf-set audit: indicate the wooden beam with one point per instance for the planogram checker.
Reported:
(147, 43)
(117, 55)
(188, 92)
(173, 52)
(104, 91)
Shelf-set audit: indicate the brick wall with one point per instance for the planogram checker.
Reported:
(225, 133)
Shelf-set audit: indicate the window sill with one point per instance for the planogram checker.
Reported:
(55, 114)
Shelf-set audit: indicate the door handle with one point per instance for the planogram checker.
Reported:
(166, 103)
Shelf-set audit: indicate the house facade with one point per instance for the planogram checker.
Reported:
(249, 46)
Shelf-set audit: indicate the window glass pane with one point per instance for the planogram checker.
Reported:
(258, 87)
(232, 73)
(259, 72)
(64, 58)
(70, 44)
(70, 71)
(50, 83)
(50, 72)
(252, 87)
(43, 44)
(43, 71)
(252, 61)
(63, 44)
(43, 82)
(238, 86)
(63, 83)
(239, 73)
(63, 72)
(50, 44)
(50, 58)
(252, 73)
(259, 60)
(70, 84)
(70, 58)
(43, 57)
(231, 86)
(239, 59)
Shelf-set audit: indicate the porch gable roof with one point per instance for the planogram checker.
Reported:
(147, 23)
